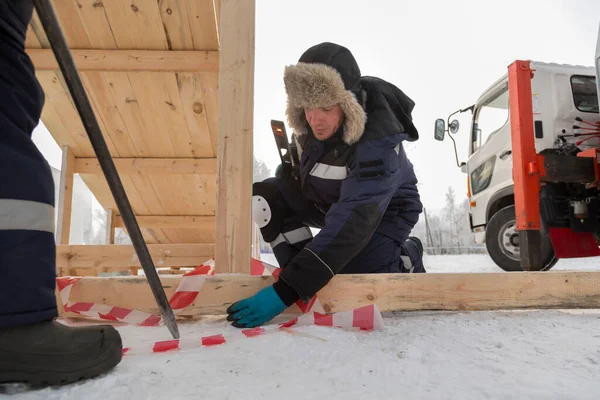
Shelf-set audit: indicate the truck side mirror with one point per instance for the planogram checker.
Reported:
(440, 129)
(454, 125)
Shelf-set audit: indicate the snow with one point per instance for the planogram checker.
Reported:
(551, 354)
(481, 263)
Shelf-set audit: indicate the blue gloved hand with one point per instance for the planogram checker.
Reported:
(256, 310)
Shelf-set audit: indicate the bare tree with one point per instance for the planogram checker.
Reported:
(260, 170)
(449, 230)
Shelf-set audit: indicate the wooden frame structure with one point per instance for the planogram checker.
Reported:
(172, 85)
(172, 88)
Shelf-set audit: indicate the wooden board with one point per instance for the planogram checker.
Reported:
(391, 292)
(234, 156)
(150, 166)
(130, 60)
(163, 255)
(65, 196)
(171, 221)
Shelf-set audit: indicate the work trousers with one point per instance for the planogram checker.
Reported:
(292, 215)
(27, 247)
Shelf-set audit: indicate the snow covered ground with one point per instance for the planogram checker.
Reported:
(481, 263)
(420, 355)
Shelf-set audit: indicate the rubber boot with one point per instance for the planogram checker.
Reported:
(412, 256)
(49, 353)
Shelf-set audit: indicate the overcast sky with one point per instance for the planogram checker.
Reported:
(442, 54)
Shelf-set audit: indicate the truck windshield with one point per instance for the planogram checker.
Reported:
(585, 95)
(490, 117)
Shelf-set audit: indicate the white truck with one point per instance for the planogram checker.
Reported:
(566, 119)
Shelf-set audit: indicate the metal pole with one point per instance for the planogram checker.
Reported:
(82, 103)
(526, 173)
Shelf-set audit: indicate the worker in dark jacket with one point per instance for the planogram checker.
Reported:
(354, 182)
(34, 348)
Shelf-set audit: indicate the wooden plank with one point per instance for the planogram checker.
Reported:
(194, 108)
(133, 115)
(177, 25)
(189, 235)
(171, 221)
(234, 168)
(108, 114)
(62, 104)
(97, 184)
(96, 24)
(152, 93)
(136, 24)
(56, 127)
(391, 292)
(65, 196)
(176, 199)
(151, 166)
(163, 255)
(210, 92)
(150, 196)
(130, 60)
(142, 196)
(159, 95)
(71, 24)
(202, 189)
(203, 23)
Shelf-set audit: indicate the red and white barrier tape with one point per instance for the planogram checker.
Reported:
(364, 318)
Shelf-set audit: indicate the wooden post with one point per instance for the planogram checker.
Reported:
(234, 155)
(110, 226)
(65, 196)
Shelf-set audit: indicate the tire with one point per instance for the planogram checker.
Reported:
(501, 239)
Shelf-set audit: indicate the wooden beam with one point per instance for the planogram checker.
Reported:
(163, 255)
(131, 60)
(65, 196)
(234, 155)
(391, 292)
(171, 221)
(149, 166)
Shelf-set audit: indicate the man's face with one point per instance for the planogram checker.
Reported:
(324, 121)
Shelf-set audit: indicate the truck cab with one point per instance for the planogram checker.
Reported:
(565, 105)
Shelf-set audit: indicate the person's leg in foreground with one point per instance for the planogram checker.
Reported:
(34, 348)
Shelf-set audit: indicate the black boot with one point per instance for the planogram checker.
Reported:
(412, 256)
(50, 353)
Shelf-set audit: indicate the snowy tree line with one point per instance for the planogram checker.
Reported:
(448, 231)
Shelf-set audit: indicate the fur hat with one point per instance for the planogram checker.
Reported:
(324, 76)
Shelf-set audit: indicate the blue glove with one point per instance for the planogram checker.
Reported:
(256, 310)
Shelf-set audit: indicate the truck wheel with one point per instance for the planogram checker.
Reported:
(502, 242)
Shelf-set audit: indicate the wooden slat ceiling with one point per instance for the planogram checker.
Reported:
(142, 114)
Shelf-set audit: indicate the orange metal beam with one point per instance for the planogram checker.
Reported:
(526, 171)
